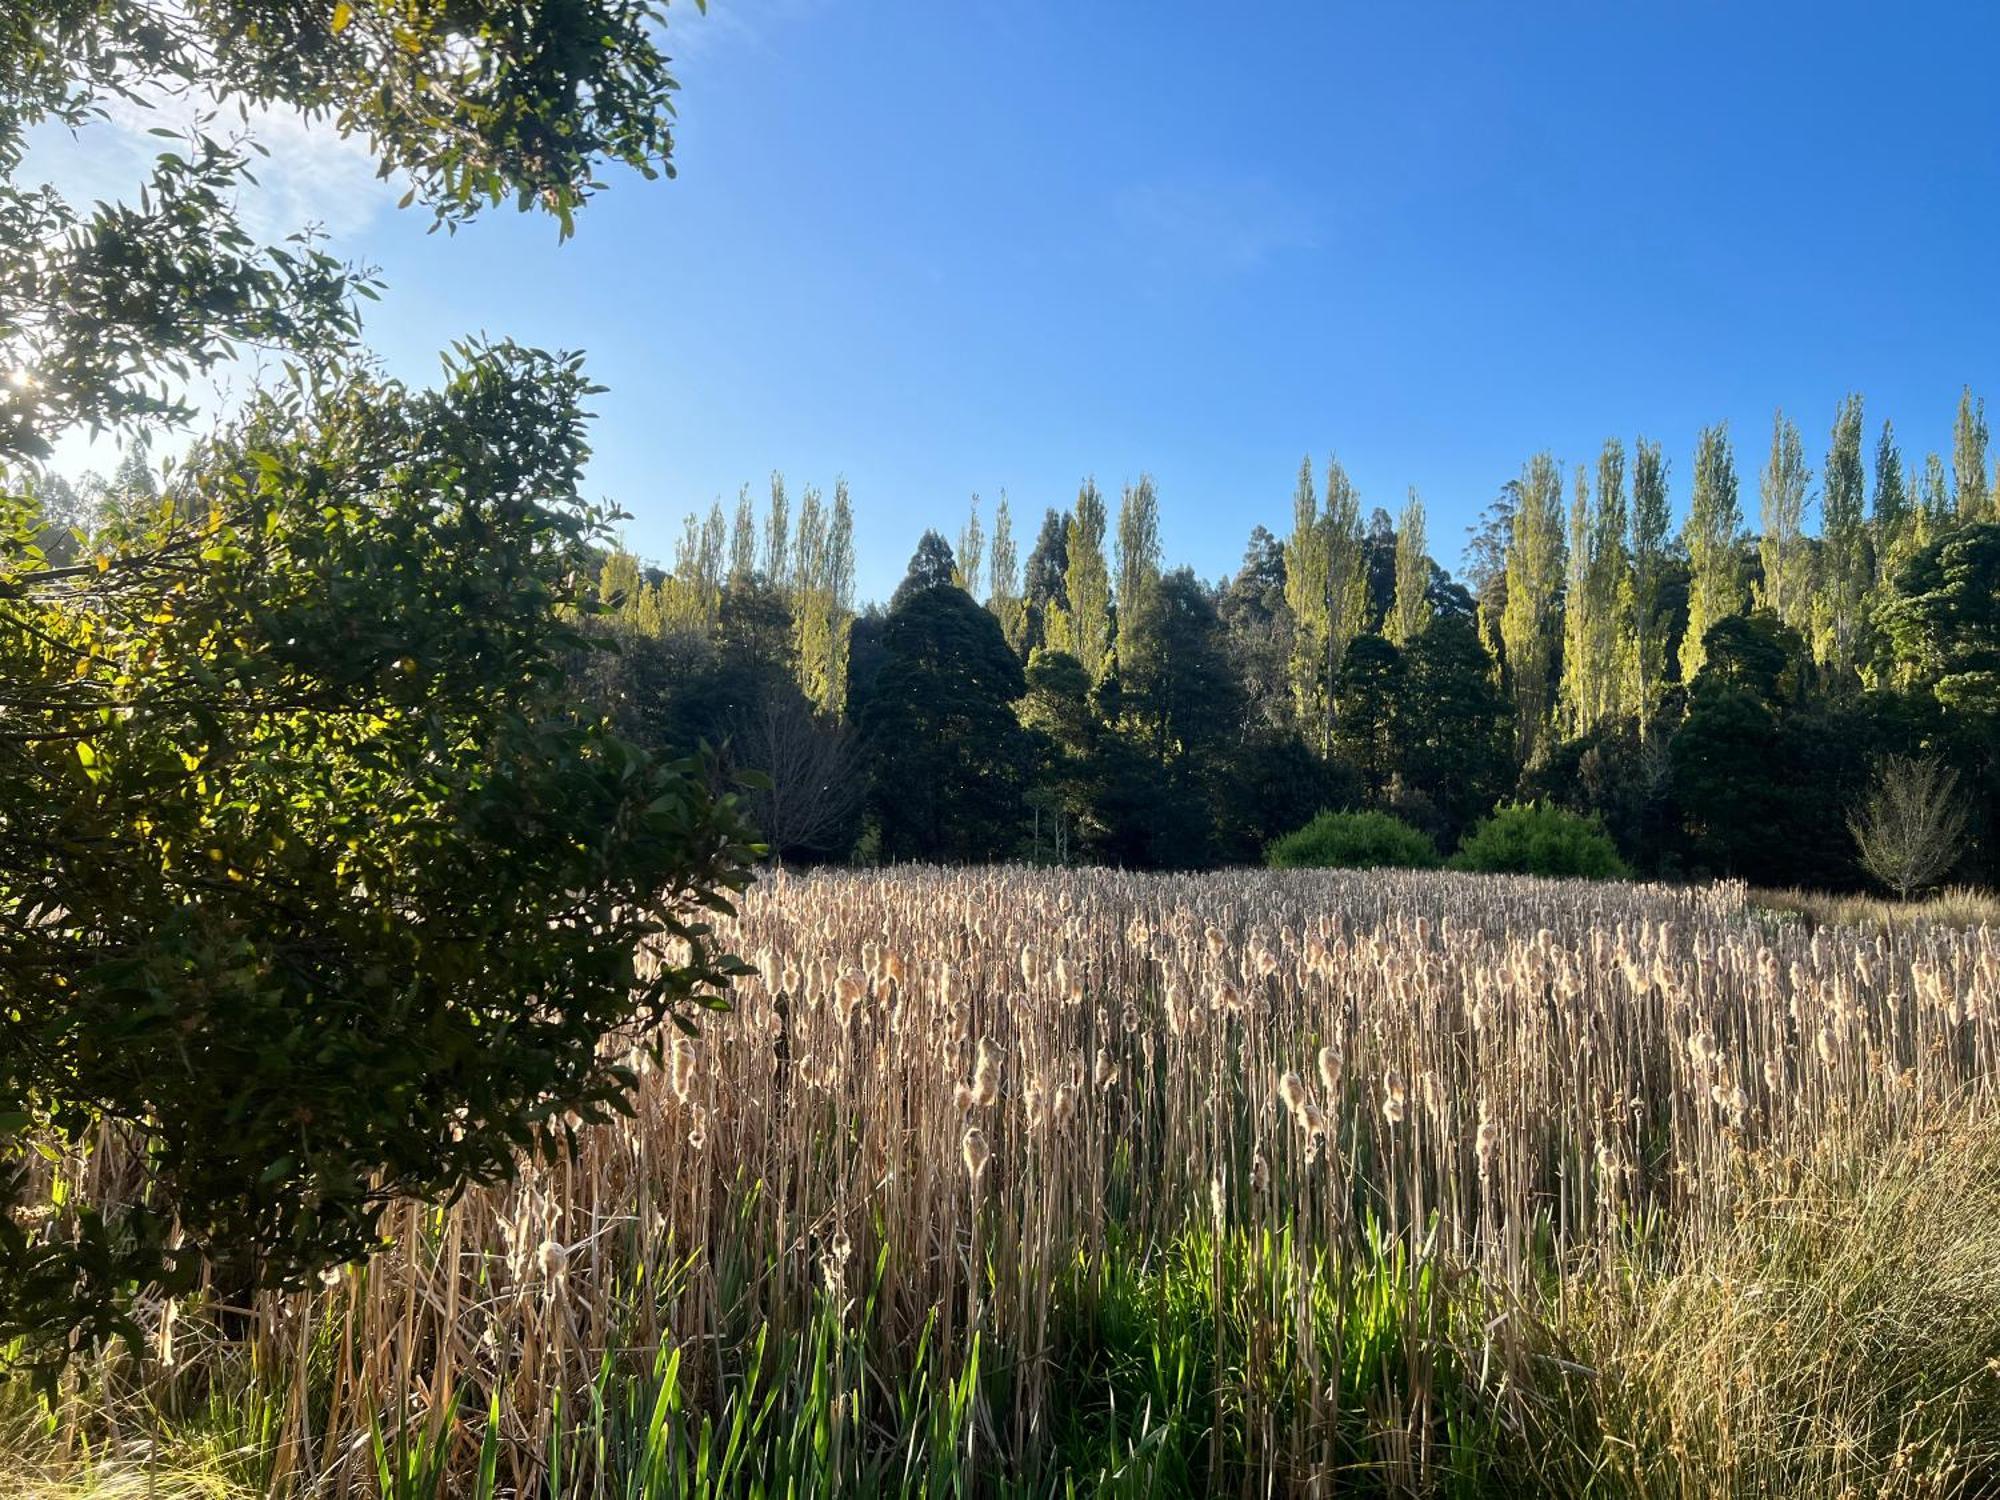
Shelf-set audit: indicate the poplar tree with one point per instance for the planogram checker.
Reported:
(1003, 579)
(1968, 458)
(1087, 581)
(1306, 594)
(1410, 615)
(1651, 554)
(1598, 611)
(1934, 498)
(1787, 587)
(971, 551)
(1529, 625)
(823, 596)
(1715, 563)
(777, 535)
(1138, 571)
(1346, 573)
(1892, 502)
(1846, 569)
(743, 540)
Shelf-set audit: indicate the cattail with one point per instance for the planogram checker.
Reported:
(1483, 1141)
(1260, 1175)
(1329, 1071)
(1292, 1094)
(682, 1075)
(553, 1260)
(961, 1096)
(1064, 1104)
(1218, 1202)
(698, 1131)
(976, 1152)
(1106, 1072)
(1031, 1101)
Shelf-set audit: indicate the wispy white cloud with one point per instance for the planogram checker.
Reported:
(1214, 224)
(747, 25)
(313, 175)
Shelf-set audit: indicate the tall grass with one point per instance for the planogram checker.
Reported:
(1041, 1183)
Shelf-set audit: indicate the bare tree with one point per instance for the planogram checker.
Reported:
(1911, 828)
(815, 778)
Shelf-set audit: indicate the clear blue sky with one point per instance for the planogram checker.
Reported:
(941, 247)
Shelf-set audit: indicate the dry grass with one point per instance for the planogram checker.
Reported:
(1270, 1182)
(1954, 906)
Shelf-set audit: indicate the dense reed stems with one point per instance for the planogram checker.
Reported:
(1013, 1181)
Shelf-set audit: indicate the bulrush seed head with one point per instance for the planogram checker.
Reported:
(976, 1153)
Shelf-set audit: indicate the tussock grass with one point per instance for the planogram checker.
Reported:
(1018, 1182)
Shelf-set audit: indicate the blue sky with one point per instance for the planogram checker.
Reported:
(950, 247)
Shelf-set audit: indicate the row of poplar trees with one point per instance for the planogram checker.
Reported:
(1586, 617)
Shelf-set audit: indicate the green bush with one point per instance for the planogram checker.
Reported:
(1533, 838)
(1352, 841)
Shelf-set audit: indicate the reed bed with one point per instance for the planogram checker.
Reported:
(1011, 1181)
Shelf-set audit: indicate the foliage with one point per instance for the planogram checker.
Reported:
(944, 748)
(1911, 829)
(1353, 841)
(1944, 619)
(1533, 838)
(256, 760)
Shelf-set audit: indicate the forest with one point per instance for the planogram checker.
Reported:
(1718, 696)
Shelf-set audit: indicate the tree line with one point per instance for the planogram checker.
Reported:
(1721, 697)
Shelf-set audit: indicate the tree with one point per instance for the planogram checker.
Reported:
(1327, 590)
(1968, 459)
(474, 104)
(811, 788)
(1530, 624)
(1787, 589)
(253, 755)
(1003, 580)
(1367, 695)
(1943, 620)
(1253, 611)
(1138, 572)
(948, 760)
(1411, 612)
(1085, 628)
(1651, 555)
(932, 566)
(1042, 588)
(252, 759)
(971, 551)
(1847, 566)
(1598, 604)
(778, 535)
(1715, 565)
(1911, 829)
(823, 596)
(1455, 734)
(743, 541)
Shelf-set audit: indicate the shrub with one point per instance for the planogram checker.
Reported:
(1353, 841)
(1533, 838)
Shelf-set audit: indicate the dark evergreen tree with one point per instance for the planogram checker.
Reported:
(947, 758)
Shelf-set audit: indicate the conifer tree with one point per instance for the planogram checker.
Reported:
(1530, 625)
(1651, 553)
(1715, 563)
(1846, 568)
(1968, 458)
(1787, 587)
(1410, 614)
